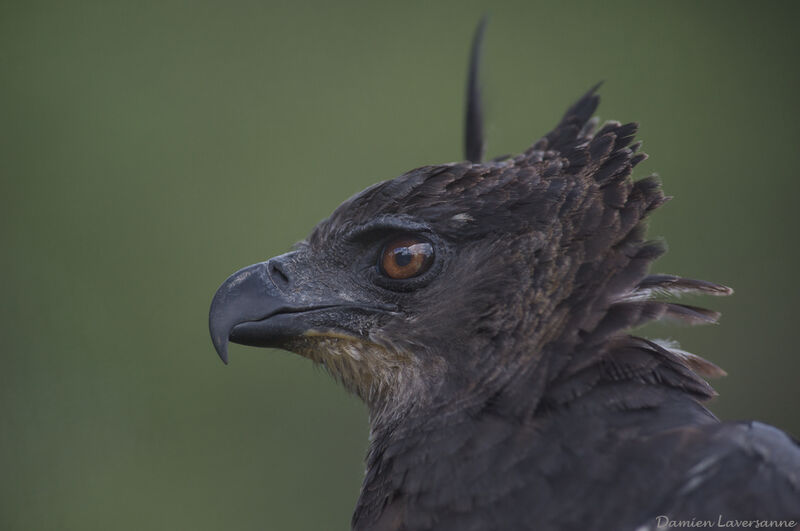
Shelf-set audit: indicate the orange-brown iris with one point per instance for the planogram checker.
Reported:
(406, 257)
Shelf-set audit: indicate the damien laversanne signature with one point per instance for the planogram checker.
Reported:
(664, 522)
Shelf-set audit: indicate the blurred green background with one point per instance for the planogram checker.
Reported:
(149, 149)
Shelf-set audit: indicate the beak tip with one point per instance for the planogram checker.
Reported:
(221, 346)
(219, 327)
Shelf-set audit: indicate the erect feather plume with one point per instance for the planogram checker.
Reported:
(474, 141)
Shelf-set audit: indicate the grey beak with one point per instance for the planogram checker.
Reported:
(246, 296)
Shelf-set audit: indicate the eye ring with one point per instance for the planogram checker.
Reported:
(405, 257)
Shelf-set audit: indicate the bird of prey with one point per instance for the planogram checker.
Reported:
(482, 311)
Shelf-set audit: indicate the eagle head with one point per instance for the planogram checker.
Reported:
(513, 280)
(462, 279)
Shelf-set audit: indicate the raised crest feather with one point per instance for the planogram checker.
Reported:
(474, 141)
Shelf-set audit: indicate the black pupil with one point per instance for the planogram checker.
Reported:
(403, 256)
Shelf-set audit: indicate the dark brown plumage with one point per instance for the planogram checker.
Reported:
(504, 389)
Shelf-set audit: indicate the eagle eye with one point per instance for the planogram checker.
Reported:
(405, 257)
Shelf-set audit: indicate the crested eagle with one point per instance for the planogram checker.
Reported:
(482, 312)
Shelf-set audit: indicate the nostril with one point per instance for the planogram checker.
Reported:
(278, 276)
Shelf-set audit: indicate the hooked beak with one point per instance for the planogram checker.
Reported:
(247, 298)
(270, 305)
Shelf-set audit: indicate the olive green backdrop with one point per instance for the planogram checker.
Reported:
(148, 150)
